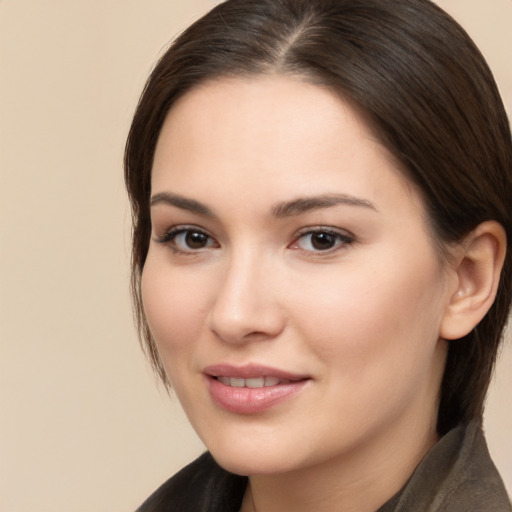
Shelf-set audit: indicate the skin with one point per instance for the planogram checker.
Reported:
(361, 318)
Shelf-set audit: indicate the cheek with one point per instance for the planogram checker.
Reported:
(172, 306)
(380, 317)
(375, 338)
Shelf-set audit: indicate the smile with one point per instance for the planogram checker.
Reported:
(252, 389)
(255, 382)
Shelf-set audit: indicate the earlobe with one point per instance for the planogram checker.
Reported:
(478, 270)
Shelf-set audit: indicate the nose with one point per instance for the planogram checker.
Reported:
(246, 306)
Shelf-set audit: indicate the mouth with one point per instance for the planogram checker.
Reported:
(254, 382)
(251, 389)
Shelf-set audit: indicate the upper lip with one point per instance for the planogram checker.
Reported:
(251, 371)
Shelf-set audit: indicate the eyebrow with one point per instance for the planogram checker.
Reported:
(305, 204)
(181, 202)
(280, 210)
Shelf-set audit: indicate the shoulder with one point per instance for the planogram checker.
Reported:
(476, 484)
(202, 486)
(457, 475)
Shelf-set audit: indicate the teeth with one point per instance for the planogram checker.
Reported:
(237, 383)
(254, 382)
(257, 382)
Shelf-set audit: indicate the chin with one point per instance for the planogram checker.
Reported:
(252, 461)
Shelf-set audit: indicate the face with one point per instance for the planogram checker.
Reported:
(291, 285)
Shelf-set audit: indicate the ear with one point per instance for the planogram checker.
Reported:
(479, 260)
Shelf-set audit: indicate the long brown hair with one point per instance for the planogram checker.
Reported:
(428, 93)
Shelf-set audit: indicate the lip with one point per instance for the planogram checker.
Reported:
(249, 371)
(244, 400)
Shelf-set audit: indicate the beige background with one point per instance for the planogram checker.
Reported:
(83, 427)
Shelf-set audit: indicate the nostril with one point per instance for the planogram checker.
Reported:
(247, 326)
(244, 308)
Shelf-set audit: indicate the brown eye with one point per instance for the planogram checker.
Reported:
(196, 240)
(187, 240)
(322, 241)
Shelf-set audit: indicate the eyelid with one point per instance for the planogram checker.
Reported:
(170, 235)
(344, 236)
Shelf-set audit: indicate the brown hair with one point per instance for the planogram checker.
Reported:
(428, 93)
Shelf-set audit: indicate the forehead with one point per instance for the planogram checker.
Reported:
(274, 130)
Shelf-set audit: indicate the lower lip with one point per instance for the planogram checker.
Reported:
(252, 400)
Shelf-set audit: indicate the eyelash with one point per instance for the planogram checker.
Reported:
(169, 239)
(341, 240)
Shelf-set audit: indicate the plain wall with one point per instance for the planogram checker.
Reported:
(83, 425)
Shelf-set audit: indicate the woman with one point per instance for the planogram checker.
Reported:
(321, 257)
